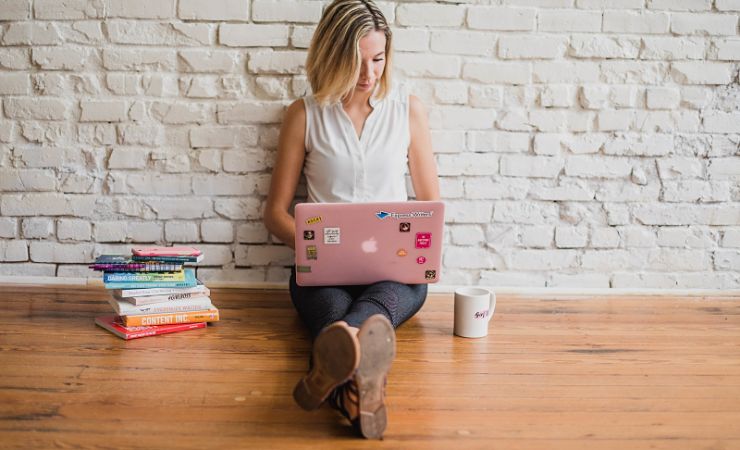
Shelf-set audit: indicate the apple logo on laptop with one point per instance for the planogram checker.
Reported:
(370, 245)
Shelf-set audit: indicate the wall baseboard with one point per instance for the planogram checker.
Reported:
(433, 288)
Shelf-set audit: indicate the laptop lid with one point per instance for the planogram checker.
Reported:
(363, 243)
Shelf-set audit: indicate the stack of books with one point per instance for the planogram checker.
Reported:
(154, 291)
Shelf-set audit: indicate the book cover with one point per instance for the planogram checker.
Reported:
(124, 308)
(189, 282)
(126, 293)
(111, 277)
(210, 315)
(114, 324)
(170, 259)
(166, 298)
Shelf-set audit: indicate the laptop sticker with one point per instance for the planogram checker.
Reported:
(423, 240)
(308, 235)
(312, 252)
(313, 220)
(303, 269)
(405, 227)
(401, 252)
(421, 260)
(430, 274)
(332, 236)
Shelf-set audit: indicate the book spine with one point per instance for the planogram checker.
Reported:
(143, 276)
(150, 284)
(165, 330)
(128, 293)
(199, 304)
(137, 267)
(210, 315)
(150, 299)
(166, 259)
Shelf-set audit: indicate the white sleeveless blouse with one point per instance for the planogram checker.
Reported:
(341, 167)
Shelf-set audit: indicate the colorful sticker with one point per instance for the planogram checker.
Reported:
(430, 274)
(312, 252)
(401, 252)
(421, 260)
(303, 269)
(308, 235)
(423, 240)
(332, 236)
(404, 227)
(313, 220)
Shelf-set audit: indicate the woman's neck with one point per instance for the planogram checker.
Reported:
(357, 100)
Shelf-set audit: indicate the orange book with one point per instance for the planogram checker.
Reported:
(142, 320)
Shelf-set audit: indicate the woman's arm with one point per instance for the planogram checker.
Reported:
(422, 165)
(286, 173)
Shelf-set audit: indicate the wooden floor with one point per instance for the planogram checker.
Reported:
(555, 372)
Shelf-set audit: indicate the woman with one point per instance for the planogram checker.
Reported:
(354, 139)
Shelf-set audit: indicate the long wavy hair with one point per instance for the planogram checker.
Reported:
(334, 60)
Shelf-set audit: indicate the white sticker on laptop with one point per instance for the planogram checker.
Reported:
(332, 236)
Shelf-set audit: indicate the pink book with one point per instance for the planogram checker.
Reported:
(165, 251)
(115, 326)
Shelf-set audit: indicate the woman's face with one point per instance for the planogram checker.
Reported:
(372, 53)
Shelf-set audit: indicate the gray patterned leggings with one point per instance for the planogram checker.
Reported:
(319, 306)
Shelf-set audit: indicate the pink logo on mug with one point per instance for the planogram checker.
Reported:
(421, 260)
(481, 314)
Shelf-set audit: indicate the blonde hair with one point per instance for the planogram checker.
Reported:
(334, 61)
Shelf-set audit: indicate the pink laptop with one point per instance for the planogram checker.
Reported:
(362, 243)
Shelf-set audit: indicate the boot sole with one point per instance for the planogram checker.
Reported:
(378, 347)
(336, 355)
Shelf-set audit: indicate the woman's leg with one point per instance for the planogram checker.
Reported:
(396, 301)
(319, 306)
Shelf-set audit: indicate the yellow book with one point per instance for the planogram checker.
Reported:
(143, 320)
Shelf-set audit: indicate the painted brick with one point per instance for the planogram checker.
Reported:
(423, 65)
(140, 9)
(531, 166)
(13, 251)
(15, 10)
(251, 35)
(462, 43)
(727, 5)
(596, 46)
(672, 48)
(505, 72)
(636, 22)
(68, 9)
(213, 9)
(430, 14)
(724, 169)
(708, 24)
(569, 20)
(702, 72)
(32, 33)
(501, 19)
(35, 108)
(74, 230)
(285, 11)
(531, 47)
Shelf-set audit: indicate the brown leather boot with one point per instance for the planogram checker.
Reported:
(378, 348)
(335, 358)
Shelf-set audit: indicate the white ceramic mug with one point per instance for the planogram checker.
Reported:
(474, 308)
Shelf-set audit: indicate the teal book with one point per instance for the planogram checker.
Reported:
(190, 281)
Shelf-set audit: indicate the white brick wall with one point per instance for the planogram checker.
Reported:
(580, 143)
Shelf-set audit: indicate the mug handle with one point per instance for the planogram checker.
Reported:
(491, 305)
